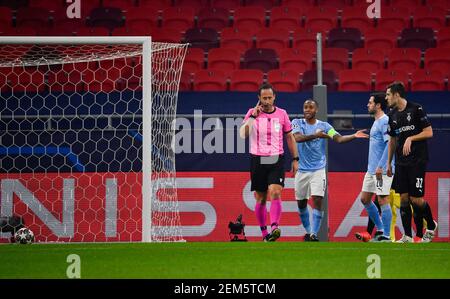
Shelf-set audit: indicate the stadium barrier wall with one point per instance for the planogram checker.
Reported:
(208, 201)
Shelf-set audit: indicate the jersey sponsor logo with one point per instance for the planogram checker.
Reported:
(405, 129)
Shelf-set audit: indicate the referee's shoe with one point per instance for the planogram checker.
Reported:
(274, 235)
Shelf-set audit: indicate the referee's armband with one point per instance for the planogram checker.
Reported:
(331, 132)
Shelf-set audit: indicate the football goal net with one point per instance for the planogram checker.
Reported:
(86, 137)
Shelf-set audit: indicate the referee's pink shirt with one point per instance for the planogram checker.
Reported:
(266, 138)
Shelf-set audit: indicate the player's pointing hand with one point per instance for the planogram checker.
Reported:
(361, 134)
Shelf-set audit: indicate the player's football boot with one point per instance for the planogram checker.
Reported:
(307, 238)
(266, 238)
(405, 239)
(429, 234)
(274, 235)
(363, 236)
(314, 238)
(417, 239)
(381, 239)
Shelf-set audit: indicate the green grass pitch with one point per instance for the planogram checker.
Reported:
(253, 260)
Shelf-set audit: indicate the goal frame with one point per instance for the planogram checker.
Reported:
(146, 42)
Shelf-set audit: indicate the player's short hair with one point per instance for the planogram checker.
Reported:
(265, 86)
(312, 100)
(380, 98)
(398, 87)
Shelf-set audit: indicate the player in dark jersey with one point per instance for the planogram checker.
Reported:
(409, 129)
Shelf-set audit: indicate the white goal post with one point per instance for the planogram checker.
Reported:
(139, 121)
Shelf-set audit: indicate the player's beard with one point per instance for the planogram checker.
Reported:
(309, 115)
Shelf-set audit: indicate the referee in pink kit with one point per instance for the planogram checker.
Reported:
(267, 125)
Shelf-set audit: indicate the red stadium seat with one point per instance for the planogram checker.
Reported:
(334, 3)
(5, 17)
(356, 17)
(246, 80)
(286, 17)
(299, 3)
(406, 59)
(122, 4)
(370, 60)
(321, 18)
(304, 38)
(272, 38)
(56, 31)
(309, 79)
(385, 77)
(429, 16)
(394, 18)
(381, 39)
(210, 80)
(438, 59)
(262, 59)
(33, 17)
(60, 20)
(335, 59)
(250, 17)
(443, 37)
(295, 59)
(407, 3)
(267, 4)
(155, 4)
(186, 81)
(194, 61)
(136, 31)
(168, 35)
(108, 17)
(349, 38)
(215, 18)
(92, 31)
(227, 4)
(180, 18)
(355, 80)
(236, 38)
(423, 80)
(205, 38)
(50, 5)
(22, 31)
(284, 80)
(67, 78)
(195, 4)
(141, 19)
(225, 59)
(422, 38)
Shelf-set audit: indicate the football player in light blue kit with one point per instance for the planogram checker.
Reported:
(310, 179)
(376, 181)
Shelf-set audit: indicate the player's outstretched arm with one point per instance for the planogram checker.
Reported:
(346, 138)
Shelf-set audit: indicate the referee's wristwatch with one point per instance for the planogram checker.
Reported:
(295, 159)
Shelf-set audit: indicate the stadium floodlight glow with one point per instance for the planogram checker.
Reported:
(86, 133)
